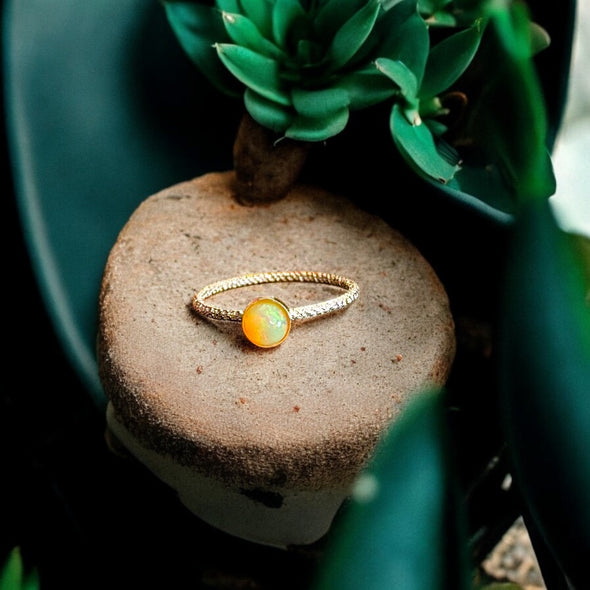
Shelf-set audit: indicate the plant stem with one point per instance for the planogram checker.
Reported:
(266, 165)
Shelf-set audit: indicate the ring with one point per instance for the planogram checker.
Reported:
(266, 321)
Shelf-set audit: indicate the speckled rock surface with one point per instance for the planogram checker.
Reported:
(305, 415)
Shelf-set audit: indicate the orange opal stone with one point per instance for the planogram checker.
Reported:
(266, 322)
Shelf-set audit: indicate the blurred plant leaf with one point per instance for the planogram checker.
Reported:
(520, 124)
(13, 575)
(402, 528)
(545, 379)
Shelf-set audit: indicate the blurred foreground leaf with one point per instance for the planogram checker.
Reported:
(13, 575)
(401, 528)
(545, 379)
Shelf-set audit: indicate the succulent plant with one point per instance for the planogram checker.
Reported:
(502, 137)
(302, 67)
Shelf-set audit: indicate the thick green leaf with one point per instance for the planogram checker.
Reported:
(254, 70)
(32, 580)
(350, 37)
(12, 572)
(545, 382)
(402, 35)
(268, 113)
(243, 31)
(449, 59)
(416, 144)
(285, 13)
(486, 184)
(260, 12)
(365, 87)
(308, 52)
(402, 76)
(332, 14)
(400, 528)
(233, 6)
(429, 7)
(320, 129)
(197, 29)
(442, 19)
(13, 575)
(319, 103)
(452, 13)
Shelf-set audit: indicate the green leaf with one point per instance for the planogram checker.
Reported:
(505, 123)
(308, 52)
(319, 103)
(442, 19)
(197, 29)
(484, 183)
(540, 39)
(260, 12)
(416, 144)
(285, 13)
(365, 87)
(429, 7)
(449, 59)
(401, 75)
(401, 528)
(243, 31)
(32, 580)
(318, 129)
(438, 13)
(402, 35)
(256, 71)
(13, 575)
(516, 123)
(544, 364)
(350, 37)
(233, 6)
(332, 14)
(268, 113)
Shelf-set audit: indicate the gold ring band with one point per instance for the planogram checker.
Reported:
(266, 321)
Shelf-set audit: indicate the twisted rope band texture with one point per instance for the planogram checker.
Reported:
(303, 312)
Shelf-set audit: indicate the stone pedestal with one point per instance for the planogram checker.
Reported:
(263, 443)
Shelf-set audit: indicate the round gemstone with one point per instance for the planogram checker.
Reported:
(266, 322)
